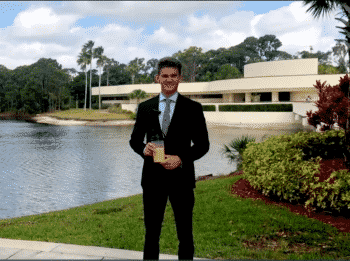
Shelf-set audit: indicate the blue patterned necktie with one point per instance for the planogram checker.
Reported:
(166, 117)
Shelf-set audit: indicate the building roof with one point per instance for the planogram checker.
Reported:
(282, 76)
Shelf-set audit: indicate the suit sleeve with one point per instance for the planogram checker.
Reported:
(138, 134)
(199, 137)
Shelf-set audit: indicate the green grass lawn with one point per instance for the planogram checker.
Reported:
(224, 227)
(81, 114)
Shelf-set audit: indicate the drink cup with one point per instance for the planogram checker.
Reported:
(159, 153)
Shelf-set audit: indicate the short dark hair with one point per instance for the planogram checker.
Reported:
(169, 62)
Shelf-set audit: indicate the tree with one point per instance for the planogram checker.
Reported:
(135, 66)
(255, 60)
(208, 77)
(332, 105)
(83, 61)
(227, 72)
(87, 48)
(328, 69)
(44, 69)
(340, 51)
(70, 71)
(132, 69)
(323, 58)
(144, 79)
(191, 60)
(109, 63)
(118, 74)
(326, 6)
(152, 64)
(346, 30)
(30, 96)
(60, 80)
(138, 94)
(100, 63)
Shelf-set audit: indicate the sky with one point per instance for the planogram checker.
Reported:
(148, 29)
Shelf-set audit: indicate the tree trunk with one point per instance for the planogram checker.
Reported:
(90, 81)
(85, 90)
(42, 95)
(347, 132)
(107, 77)
(99, 93)
(59, 100)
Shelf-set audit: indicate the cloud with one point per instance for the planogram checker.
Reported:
(162, 36)
(39, 23)
(201, 25)
(60, 30)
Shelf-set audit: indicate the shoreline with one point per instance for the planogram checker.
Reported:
(39, 118)
(52, 120)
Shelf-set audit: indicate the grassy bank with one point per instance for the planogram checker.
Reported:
(92, 115)
(224, 227)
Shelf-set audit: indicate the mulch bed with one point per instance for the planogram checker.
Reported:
(243, 189)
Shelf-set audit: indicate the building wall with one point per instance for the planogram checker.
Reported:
(300, 84)
(297, 77)
(282, 68)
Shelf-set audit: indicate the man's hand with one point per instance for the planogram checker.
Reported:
(171, 162)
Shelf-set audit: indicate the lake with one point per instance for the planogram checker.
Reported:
(48, 168)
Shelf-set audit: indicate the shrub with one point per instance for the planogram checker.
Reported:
(104, 106)
(279, 166)
(235, 150)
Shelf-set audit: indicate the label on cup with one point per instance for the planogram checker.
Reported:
(159, 152)
(159, 155)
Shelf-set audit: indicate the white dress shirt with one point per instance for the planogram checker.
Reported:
(162, 105)
(161, 108)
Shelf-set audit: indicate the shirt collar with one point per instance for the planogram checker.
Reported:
(172, 97)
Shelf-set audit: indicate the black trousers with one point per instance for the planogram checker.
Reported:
(154, 204)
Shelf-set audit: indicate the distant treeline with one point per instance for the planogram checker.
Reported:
(45, 86)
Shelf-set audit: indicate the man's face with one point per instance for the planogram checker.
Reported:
(169, 80)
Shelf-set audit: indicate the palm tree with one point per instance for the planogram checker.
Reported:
(235, 150)
(100, 63)
(135, 66)
(109, 63)
(132, 68)
(327, 6)
(73, 71)
(89, 50)
(138, 94)
(83, 61)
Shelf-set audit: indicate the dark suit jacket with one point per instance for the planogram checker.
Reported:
(187, 124)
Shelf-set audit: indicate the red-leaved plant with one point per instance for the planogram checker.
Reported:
(333, 107)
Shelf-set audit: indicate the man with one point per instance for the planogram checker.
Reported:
(174, 178)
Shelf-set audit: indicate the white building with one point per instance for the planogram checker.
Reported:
(275, 82)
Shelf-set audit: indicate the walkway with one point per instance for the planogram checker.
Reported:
(23, 249)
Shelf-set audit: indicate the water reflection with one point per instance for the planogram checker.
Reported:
(47, 168)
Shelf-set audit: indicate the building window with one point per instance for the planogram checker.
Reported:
(115, 98)
(284, 96)
(204, 96)
(212, 96)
